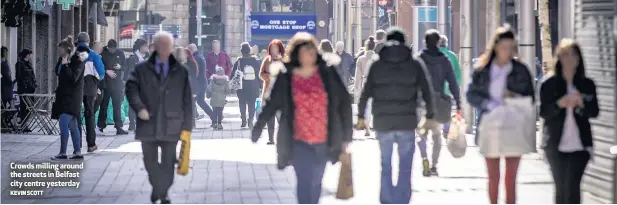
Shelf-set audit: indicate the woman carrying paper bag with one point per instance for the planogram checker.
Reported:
(503, 90)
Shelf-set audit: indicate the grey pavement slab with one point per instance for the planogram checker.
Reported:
(226, 168)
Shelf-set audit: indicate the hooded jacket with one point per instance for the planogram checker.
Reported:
(94, 71)
(395, 82)
(455, 65)
(218, 90)
(251, 82)
(440, 69)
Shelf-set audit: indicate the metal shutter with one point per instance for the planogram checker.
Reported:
(594, 31)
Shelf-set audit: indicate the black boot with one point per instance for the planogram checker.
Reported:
(243, 124)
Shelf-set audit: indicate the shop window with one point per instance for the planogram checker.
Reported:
(283, 6)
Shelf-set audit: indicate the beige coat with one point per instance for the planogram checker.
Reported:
(362, 68)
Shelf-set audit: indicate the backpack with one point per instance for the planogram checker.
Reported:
(249, 72)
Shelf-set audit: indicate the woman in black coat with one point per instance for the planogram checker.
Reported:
(316, 120)
(568, 99)
(26, 82)
(249, 67)
(69, 95)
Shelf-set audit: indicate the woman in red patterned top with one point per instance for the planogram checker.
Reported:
(316, 121)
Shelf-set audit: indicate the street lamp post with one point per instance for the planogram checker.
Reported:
(442, 15)
(465, 54)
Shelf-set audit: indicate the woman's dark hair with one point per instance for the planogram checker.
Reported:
(563, 45)
(245, 48)
(502, 33)
(301, 39)
(369, 44)
(25, 52)
(67, 44)
(138, 44)
(326, 46)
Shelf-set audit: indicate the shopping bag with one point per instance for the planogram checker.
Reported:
(508, 130)
(345, 181)
(185, 151)
(457, 140)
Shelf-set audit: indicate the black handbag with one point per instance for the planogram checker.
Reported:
(55, 112)
(443, 108)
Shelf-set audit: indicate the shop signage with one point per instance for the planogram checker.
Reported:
(277, 24)
(66, 4)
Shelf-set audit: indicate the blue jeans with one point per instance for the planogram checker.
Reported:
(401, 193)
(309, 162)
(69, 122)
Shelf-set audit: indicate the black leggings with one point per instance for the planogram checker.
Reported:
(245, 100)
(568, 170)
(271, 125)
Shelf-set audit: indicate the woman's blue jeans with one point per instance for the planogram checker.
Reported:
(69, 123)
(309, 162)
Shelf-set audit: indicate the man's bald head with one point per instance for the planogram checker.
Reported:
(163, 43)
(340, 46)
(192, 48)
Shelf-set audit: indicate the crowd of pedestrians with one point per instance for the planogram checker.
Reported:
(305, 89)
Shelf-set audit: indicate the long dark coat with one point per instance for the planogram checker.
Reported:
(70, 90)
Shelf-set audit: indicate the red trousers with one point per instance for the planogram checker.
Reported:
(494, 172)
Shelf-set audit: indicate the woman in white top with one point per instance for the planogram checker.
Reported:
(568, 100)
(498, 76)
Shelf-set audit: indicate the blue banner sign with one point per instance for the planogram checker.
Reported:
(277, 24)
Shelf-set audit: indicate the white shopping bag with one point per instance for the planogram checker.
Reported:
(508, 130)
(457, 138)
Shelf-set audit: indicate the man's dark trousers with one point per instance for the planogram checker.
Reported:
(116, 94)
(89, 110)
(160, 175)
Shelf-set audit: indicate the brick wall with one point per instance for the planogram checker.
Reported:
(233, 18)
(177, 12)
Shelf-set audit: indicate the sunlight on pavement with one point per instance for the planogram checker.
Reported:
(235, 150)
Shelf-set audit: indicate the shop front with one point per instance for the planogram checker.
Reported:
(265, 27)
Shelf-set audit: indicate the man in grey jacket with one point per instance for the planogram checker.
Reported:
(165, 112)
(344, 68)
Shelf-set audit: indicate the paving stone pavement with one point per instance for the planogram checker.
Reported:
(226, 168)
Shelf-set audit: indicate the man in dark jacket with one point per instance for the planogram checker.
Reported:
(140, 52)
(159, 90)
(441, 72)
(395, 82)
(248, 65)
(202, 83)
(94, 72)
(114, 61)
(343, 69)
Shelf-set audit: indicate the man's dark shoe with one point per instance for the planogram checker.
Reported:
(243, 125)
(101, 130)
(434, 171)
(165, 200)
(250, 124)
(219, 127)
(93, 148)
(131, 127)
(270, 143)
(121, 132)
(153, 198)
(426, 171)
(77, 156)
(214, 125)
(59, 157)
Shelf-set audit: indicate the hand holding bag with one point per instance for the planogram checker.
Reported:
(345, 182)
(508, 130)
(236, 81)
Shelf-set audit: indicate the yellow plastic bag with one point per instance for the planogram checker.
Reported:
(345, 181)
(185, 151)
